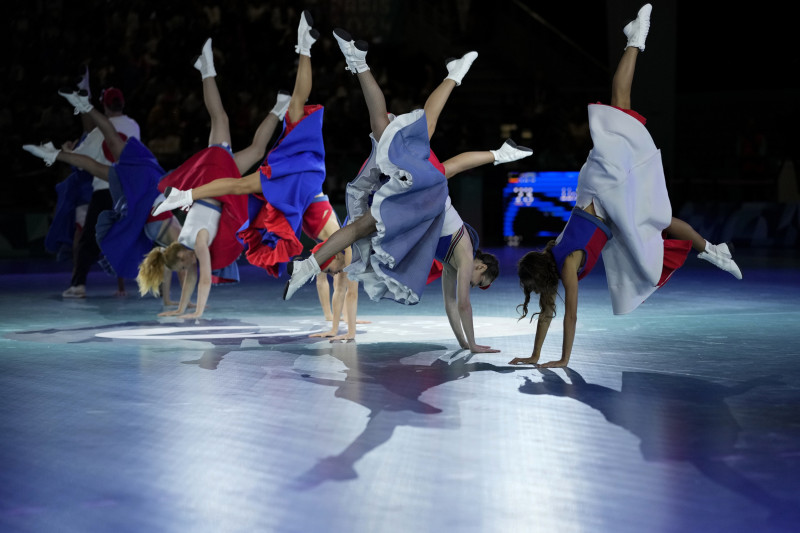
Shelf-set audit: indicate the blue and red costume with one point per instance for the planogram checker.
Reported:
(205, 166)
(292, 175)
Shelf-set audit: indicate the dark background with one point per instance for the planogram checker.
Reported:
(713, 77)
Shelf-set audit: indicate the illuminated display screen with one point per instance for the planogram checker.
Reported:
(537, 204)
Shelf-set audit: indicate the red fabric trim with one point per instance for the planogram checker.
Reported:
(261, 255)
(307, 110)
(324, 265)
(675, 254)
(593, 248)
(630, 112)
(436, 271)
(205, 166)
(216, 280)
(435, 162)
(315, 218)
(265, 169)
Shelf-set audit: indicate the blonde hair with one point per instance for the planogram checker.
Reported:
(538, 274)
(151, 269)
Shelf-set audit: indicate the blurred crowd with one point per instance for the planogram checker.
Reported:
(147, 50)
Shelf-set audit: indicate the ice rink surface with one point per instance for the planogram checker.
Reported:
(683, 416)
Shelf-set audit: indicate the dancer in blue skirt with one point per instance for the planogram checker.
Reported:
(399, 208)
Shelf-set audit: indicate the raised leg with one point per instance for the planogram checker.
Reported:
(303, 271)
(355, 55)
(718, 255)
(508, 152)
(636, 31)
(623, 79)
(456, 70)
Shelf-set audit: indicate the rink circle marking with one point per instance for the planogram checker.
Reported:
(380, 329)
(203, 332)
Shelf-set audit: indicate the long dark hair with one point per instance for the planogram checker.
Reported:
(538, 274)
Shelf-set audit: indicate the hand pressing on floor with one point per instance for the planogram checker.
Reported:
(561, 363)
(480, 348)
(532, 360)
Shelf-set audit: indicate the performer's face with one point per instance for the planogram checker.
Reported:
(479, 276)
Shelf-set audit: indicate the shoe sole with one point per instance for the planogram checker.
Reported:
(286, 289)
(342, 34)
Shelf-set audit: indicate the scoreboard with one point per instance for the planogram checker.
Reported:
(537, 205)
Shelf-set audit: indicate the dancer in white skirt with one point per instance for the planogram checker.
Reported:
(398, 206)
(623, 211)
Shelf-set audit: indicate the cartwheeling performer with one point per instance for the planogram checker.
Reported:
(127, 232)
(399, 207)
(623, 211)
(285, 195)
(207, 248)
(71, 207)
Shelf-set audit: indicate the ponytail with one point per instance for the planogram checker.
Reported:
(151, 269)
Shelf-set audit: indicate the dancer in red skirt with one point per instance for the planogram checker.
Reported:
(207, 248)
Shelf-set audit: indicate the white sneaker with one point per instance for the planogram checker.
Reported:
(76, 291)
(301, 272)
(205, 61)
(79, 99)
(47, 152)
(281, 104)
(458, 68)
(306, 35)
(355, 53)
(636, 30)
(509, 152)
(176, 199)
(720, 256)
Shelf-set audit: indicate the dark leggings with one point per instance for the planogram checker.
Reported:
(88, 252)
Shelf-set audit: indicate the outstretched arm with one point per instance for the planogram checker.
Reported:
(187, 289)
(449, 282)
(542, 325)
(166, 285)
(569, 277)
(204, 277)
(464, 269)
